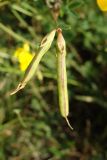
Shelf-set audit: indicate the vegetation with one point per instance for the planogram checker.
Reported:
(31, 127)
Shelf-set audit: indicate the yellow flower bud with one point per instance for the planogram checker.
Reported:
(102, 4)
(24, 56)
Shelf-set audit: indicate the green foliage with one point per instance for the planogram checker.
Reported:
(30, 123)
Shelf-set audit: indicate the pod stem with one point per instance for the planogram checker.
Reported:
(68, 123)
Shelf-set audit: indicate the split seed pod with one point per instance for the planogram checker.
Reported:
(44, 47)
(62, 76)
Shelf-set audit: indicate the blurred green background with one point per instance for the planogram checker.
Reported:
(31, 127)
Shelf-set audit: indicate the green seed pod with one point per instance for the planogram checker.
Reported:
(62, 76)
(44, 47)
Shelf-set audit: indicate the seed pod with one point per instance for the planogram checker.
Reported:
(44, 47)
(62, 76)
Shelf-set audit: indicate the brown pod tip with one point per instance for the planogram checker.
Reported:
(68, 123)
(59, 30)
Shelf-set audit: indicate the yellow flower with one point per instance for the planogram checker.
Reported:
(102, 4)
(24, 56)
